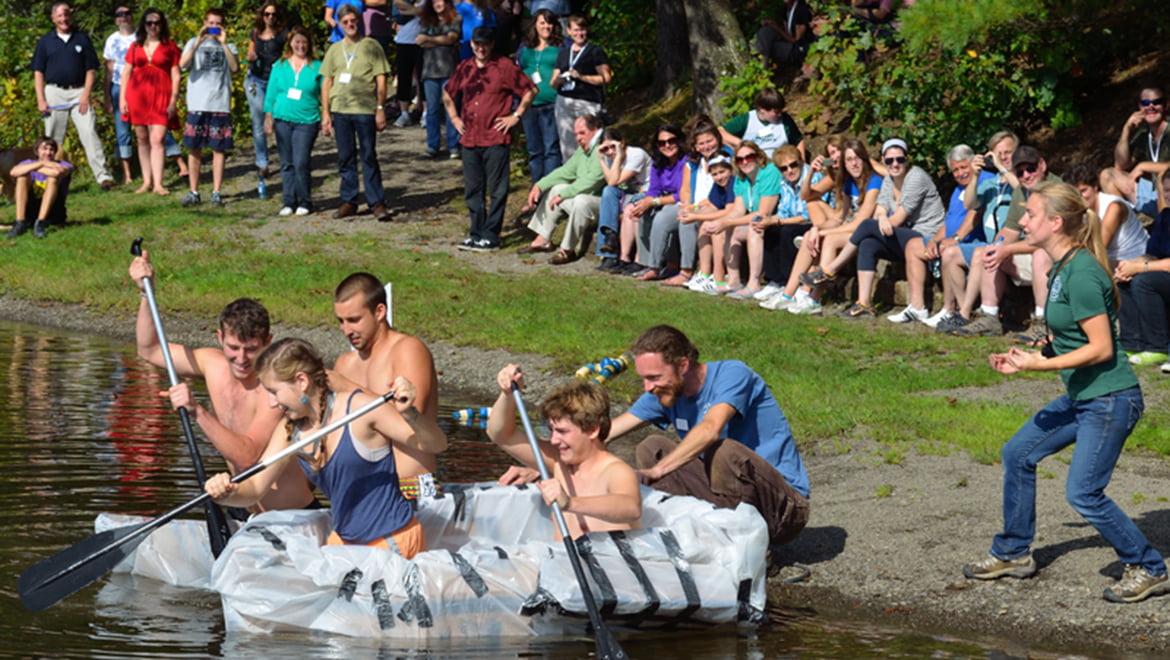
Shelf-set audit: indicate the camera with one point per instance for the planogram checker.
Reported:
(214, 31)
(989, 163)
(828, 162)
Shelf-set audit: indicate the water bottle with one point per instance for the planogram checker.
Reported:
(464, 415)
(262, 188)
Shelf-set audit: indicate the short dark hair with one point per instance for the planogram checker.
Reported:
(216, 11)
(1082, 174)
(42, 140)
(592, 121)
(769, 98)
(246, 319)
(583, 403)
(365, 284)
(667, 341)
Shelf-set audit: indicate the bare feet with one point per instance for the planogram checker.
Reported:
(144, 188)
(161, 191)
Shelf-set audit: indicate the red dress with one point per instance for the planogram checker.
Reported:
(148, 92)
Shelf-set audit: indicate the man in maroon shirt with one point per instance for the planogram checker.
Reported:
(485, 86)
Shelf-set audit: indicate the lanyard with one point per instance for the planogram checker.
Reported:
(348, 55)
(573, 60)
(1150, 137)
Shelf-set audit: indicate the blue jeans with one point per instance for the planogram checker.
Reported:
(256, 88)
(544, 147)
(294, 143)
(610, 215)
(361, 129)
(124, 132)
(437, 115)
(1098, 428)
(485, 170)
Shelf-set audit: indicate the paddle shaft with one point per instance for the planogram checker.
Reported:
(217, 524)
(607, 645)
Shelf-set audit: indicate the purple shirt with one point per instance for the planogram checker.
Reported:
(666, 181)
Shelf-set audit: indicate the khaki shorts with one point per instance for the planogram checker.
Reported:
(1023, 264)
(409, 540)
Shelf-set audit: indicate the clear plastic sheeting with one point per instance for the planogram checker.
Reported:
(177, 553)
(492, 568)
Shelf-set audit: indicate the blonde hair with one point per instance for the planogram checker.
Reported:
(284, 359)
(1081, 224)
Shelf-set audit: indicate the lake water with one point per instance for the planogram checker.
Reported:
(83, 431)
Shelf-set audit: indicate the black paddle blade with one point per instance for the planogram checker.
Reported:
(607, 646)
(74, 568)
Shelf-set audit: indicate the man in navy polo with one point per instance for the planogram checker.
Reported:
(65, 66)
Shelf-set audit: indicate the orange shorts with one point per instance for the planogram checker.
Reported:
(410, 540)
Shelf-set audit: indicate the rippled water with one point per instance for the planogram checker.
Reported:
(82, 431)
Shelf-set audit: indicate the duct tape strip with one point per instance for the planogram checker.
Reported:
(748, 613)
(653, 602)
(416, 606)
(382, 605)
(683, 568)
(608, 595)
(470, 576)
(500, 552)
(349, 584)
(267, 535)
(539, 602)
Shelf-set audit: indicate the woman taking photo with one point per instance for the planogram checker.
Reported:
(264, 48)
(439, 40)
(149, 90)
(354, 466)
(1102, 405)
(292, 110)
(538, 60)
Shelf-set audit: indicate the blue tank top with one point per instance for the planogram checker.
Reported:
(367, 503)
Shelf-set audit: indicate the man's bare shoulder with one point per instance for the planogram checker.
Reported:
(399, 345)
(349, 364)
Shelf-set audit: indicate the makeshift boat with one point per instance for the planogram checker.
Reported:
(492, 568)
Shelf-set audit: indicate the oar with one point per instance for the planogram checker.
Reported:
(217, 524)
(75, 567)
(607, 645)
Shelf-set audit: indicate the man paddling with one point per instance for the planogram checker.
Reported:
(381, 355)
(243, 420)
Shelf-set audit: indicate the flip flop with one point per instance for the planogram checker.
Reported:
(678, 280)
(534, 249)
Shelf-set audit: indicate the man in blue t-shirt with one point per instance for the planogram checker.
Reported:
(736, 444)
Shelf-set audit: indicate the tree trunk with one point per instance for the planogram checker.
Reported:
(718, 48)
(673, 47)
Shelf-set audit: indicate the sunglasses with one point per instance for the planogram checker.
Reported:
(152, 22)
(121, 14)
(1146, 102)
(790, 166)
(745, 159)
(1026, 169)
(663, 143)
(269, 13)
(901, 160)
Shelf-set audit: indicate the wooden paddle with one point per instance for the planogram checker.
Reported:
(217, 524)
(607, 645)
(79, 565)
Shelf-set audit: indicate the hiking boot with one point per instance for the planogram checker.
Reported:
(610, 241)
(1136, 584)
(992, 567)
(216, 198)
(20, 227)
(41, 228)
(986, 325)
(381, 213)
(1035, 335)
(953, 322)
(909, 314)
(346, 210)
(192, 199)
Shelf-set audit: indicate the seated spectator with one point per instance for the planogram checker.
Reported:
(990, 197)
(45, 180)
(572, 190)
(787, 42)
(853, 195)
(757, 192)
(958, 228)
(627, 173)
(1144, 284)
(711, 278)
(908, 209)
(1122, 233)
(704, 142)
(580, 78)
(652, 220)
(768, 125)
(1138, 157)
(774, 237)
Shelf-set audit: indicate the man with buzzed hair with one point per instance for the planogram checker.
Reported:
(381, 354)
(243, 419)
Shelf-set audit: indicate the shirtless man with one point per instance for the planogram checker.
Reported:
(383, 354)
(243, 420)
(596, 490)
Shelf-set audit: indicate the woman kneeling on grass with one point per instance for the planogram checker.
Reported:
(1100, 410)
(353, 466)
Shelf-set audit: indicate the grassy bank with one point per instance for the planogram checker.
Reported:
(907, 388)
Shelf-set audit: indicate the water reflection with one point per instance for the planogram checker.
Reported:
(83, 430)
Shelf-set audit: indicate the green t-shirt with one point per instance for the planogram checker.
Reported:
(1078, 289)
(360, 64)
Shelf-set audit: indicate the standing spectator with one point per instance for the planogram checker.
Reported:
(378, 22)
(292, 110)
(486, 86)
(538, 58)
(64, 68)
(264, 48)
(407, 58)
(353, 93)
(1139, 157)
(333, 17)
(148, 95)
(45, 179)
(440, 43)
(787, 42)
(580, 78)
(767, 125)
(211, 61)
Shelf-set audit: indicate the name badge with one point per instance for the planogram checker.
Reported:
(345, 78)
(681, 425)
(766, 131)
(294, 94)
(536, 77)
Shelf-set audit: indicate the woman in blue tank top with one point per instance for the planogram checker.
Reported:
(353, 466)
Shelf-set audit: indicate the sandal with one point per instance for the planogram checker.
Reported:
(680, 279)
(859, 311)
(533, 249)
(562, 257)
(648, 275)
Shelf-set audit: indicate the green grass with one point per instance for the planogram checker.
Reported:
(838, 382)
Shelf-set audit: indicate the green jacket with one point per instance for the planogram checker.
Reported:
(582, 172)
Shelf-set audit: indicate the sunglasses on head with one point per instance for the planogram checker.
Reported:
(1158, 101)
(121, 14)
(745, 159)
(1030, 168)
(901, 160)
(790, 166)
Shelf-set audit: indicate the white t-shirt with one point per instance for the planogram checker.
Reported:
(117, 45)
(1129, 242)
(209, 83)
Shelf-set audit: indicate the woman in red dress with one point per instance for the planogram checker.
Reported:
(150, 87)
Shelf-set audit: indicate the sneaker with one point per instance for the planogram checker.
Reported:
(950, 323)
(805, 305)
(455, 154)
(992, 567)
(192, 199)
(1166, 368)
(302, 210)
(909, 314)
(432, 153)
(796, 242)
(940, 317)
(857, 311)
(41, 228)
(1136, 584)
(696, 283)
(216, 198)
(484, 245)
(466, 243)
(1148, 358)
(285, 211)
(708, 286)
(778, 302)
(607, 264)
(771, 289)
(403, 120)
(816, 278)
(18, 228)
(985, 325)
